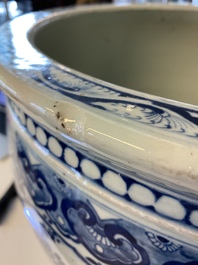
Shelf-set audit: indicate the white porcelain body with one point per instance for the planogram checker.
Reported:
(107, 175)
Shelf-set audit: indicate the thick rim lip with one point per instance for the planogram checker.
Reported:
(51, 17)
(169, 139)
(55, 14)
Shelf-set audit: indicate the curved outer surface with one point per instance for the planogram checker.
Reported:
(137, 123)
(109, 191)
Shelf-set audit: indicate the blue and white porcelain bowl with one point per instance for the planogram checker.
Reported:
(106, 155)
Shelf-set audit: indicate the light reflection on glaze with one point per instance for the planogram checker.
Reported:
(92, 131)
(21, 53)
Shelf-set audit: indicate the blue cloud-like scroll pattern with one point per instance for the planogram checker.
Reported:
(76, 219)
(70, 219)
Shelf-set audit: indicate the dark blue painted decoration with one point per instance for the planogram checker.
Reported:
(185, 200)
(71, 219)
(76, 218)
(162, 243)
(51, 76)
(181, 263)
(151, 112)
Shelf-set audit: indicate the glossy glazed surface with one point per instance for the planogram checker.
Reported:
(135, 125)
(81, 206)
(108, 173)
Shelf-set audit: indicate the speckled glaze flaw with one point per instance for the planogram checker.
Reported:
(92, 160)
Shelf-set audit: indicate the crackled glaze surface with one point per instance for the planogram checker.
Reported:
(108, 175)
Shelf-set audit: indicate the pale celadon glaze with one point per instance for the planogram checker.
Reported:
(107, 173)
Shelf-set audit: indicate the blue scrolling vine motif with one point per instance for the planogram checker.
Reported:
(128, 106)
(121, 102)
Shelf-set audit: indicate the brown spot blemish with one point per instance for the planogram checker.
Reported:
(54, 106)
(58, 115)
(57, 128)
(63, 125)
(182, 173)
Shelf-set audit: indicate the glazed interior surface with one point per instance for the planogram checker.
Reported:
(152, 51)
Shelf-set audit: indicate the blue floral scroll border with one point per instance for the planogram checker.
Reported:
(131, 181)
(121, 102)
(131, 107)
(69, 218)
